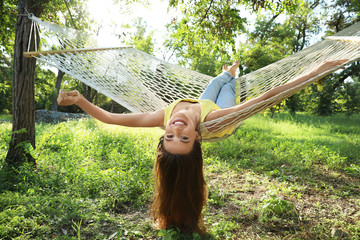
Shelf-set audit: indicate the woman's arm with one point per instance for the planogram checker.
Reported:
(328, 65)
(152, 119)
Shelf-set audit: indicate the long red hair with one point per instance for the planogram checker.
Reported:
(180, 190)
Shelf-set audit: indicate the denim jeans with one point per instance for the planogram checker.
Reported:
(221, 90)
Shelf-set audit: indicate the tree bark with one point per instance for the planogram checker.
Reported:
(54, 105)
(88, 93)
(23, 88)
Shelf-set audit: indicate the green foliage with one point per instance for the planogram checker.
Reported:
(204, 39)
(321, 98)
(346, 12)
(294, 104)
(81, 168)
(140, 40)
(44, 88)
(349, 97)
(273, 208)
(260, 55)
(205, 35)
(217, 197)
(175, 234)
(8, 12)
(6, 90)
(296, 141)
(70, 13)
(272, 40)
(5, 117)
(336, 93)
(223, 229)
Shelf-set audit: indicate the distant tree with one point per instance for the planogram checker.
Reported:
(5, 85)
(204, 38)
(350, 95)
(140, 40)
(329, 94)
(336, 93)
(8, 14)
(44, 87)
(73, 15)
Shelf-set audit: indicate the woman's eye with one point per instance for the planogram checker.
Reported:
(169, 136)
(184, 138)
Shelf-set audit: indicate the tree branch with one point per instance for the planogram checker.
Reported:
(71, 17)
(207, 11)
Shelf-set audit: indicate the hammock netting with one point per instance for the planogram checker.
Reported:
(143, 83)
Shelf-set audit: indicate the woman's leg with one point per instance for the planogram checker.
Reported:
(226, 97)
(212, 90)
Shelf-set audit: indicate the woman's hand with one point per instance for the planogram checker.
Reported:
(68, 98)
(328, 65)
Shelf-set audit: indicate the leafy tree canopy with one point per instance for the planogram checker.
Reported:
(207, 30)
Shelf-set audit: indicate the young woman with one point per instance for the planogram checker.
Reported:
(178, 170)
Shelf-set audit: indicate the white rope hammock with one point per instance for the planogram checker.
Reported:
(143, 83)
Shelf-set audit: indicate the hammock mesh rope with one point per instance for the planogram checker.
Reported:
(143, 83)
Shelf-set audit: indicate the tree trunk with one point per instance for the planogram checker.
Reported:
(23, 88)
(88, 93)
(54, 105)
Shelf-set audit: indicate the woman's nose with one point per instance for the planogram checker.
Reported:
(177, 126)
(177, 130)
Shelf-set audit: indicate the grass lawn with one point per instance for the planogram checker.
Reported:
(5, 117)
(281, 178)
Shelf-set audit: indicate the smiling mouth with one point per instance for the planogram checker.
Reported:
(179, 122)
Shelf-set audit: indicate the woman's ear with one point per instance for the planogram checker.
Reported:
(197, 136)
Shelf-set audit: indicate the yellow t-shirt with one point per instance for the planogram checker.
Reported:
(206, 107)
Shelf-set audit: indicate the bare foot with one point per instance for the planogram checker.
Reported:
(232, 68)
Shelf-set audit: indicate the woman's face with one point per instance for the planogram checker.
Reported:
(180, 133)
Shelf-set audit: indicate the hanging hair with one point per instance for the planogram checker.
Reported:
(180, 190)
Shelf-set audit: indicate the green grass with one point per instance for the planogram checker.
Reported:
(286, 177)
(5, 117)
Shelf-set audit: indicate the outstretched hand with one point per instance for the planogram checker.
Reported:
(328, 65)
(68, 98)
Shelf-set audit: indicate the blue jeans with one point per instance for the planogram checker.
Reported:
(221, 90)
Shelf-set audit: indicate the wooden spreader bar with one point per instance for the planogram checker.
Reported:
(345, 38)
(52, 52)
